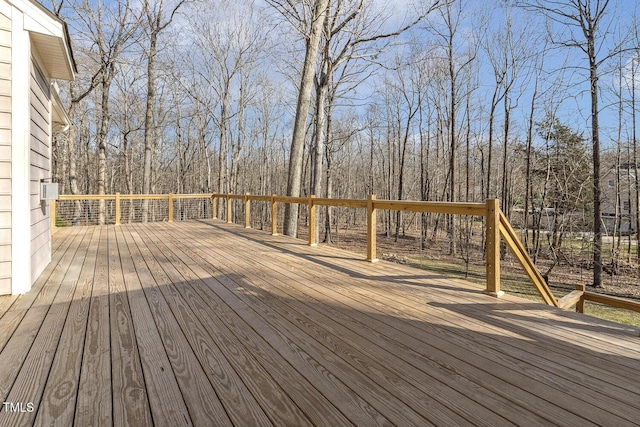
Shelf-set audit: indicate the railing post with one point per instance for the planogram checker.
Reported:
(247, 211)
(229, 205)
(580, 303)
(214, 207)
(170, 207)
(493, 248)
(312, 221)
(117, 208)
(371, 229)
(52, 213)
(274, 215)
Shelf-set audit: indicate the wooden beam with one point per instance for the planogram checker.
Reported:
(493, 248)
(274, 215)
(286, 199)
(475, 209)
(371, 229)
(117, 208)
(347, 203)
(87, 197)
(260, 198)
(580, 303)
(192, 196)
(609, 300)
(229, 206)
(571, 298)
(214, 207)
(312, 221)
(170, 207)
(517, 248)
(247, 211)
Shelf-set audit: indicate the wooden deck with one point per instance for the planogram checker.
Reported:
(204, 323)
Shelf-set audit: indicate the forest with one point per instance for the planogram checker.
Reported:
(528, 101)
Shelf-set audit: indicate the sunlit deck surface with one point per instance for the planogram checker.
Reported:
(204, 323)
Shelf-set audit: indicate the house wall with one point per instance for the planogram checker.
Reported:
(5, 154)
(21, 278)
(40, 168)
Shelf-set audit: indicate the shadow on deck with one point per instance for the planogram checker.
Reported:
(204, 323)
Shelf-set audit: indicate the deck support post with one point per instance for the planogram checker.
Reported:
(493, 248)
(117, 208)
(170, 207)
(214, 207)
(274, 215)
(580, 303)
(229, 205)
(371, 229)
(312, 221)
(247, 211)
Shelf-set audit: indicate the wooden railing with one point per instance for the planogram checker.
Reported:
(119, 203)
(497, 229)
(490, 210)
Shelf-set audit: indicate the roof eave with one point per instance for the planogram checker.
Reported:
(50, 37)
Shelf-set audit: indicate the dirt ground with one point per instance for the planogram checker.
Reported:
(576, 268)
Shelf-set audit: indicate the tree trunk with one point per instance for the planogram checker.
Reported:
(452, 144)
(320, 124)
(294, 178)
(635, 157)
(528, 195)
(148, 122)
(505, 154)
(595, 132)
(102, 146)
(73, 160)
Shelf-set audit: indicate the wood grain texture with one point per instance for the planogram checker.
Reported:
(177, 378)
(174, 324)
(60, 393)
(272, 399)
(201, 333)
(232, 327)
(93, 404)
(30, 382)
(130, 398)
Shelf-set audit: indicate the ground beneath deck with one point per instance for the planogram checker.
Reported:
(205, 323)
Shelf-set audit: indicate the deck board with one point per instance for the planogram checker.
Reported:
(233, 327)
(65, 371)
(168, 406)
(30, 382)
(205, 323)
(130, 395)
(419, 394)
(357, 295)
(195, 394)
(93, 404)
(518, 355)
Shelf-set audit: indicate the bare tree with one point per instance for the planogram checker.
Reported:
(457, 60)
(157, 20)
(308, 16)
(586, 26)
(107, 30)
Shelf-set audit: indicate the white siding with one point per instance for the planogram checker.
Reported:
(5, 155)
(40, 168)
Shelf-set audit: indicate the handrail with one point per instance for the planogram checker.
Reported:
(130, 197)
(611, 301)
(497, 228)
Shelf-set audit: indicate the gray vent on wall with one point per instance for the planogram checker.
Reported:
(48, 191)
